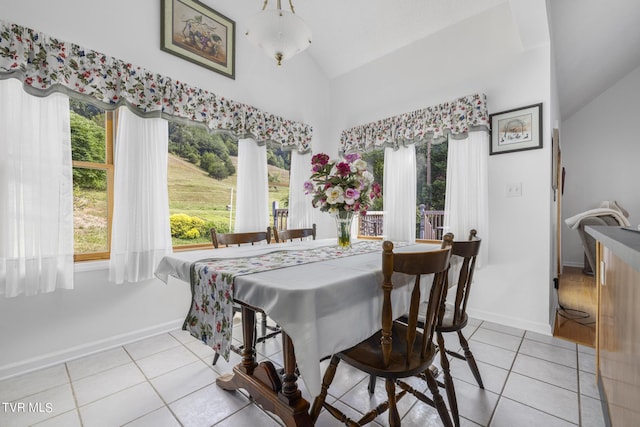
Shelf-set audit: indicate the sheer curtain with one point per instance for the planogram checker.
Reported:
(252, 202)
(467, 193)
(300, 209)
(400, 194)
(36, 192)
(141, 234)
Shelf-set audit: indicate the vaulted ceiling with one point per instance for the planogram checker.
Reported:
(595, 42)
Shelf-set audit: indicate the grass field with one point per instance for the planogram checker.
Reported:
(191, 192)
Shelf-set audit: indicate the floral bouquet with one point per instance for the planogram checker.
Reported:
(339, 186)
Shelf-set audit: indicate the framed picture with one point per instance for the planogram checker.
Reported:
(516, 130)
(197, 33)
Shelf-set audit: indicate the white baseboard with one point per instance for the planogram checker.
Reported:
(55, 358)
(573, 264)
(541, 328)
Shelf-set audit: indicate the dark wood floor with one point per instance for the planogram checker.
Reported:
(576, 316)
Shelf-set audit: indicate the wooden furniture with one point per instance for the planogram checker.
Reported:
(455, 319)
(398, 350)
(618, 323)
(238, 239)
(338, 290)
(294, 233)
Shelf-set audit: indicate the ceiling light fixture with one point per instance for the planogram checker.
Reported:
(280, 33)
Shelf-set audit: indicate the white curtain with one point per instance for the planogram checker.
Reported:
(36, 192)
(467, 193)
(252, 204)
(300, 209)
(141, 234)
(399, 194)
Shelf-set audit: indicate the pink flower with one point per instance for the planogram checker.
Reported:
(343, 169)
(320, 159)
(375, 190)
(350, 158)
(308, 187)
(350, 195)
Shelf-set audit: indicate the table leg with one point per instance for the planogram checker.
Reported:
(263, 382)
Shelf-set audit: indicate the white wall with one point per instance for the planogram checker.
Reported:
(41, 330)
(600, 152)
(514, 288)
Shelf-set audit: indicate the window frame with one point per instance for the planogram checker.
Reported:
(110, 125)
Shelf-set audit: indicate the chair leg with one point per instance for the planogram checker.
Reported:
(215, 359)
(394, 416)
(264, 324)
(470, 359)
(372, 384)
(318, 402)
(448, 381)
(438, 401)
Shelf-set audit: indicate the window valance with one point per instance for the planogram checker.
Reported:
(45, 64)
(455, 118)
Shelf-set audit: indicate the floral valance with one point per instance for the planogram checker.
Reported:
(455, 118)
(45, 64)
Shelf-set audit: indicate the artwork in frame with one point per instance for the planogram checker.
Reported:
(197, 33)
(516, 130)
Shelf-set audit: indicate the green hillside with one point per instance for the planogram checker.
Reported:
(191, 192)
(194, 193)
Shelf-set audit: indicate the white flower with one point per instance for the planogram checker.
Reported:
(334, 195)
(333, 211)
(360, 165)
(368, 176)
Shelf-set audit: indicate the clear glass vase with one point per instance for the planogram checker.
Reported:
(343, 224)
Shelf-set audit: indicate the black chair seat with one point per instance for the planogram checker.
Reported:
(359, 356)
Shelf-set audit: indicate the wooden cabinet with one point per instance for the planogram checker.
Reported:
(618, 324)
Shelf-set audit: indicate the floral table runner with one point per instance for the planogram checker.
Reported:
(210, 316)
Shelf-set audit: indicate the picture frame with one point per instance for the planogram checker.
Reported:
(516, 130)
(195, 32)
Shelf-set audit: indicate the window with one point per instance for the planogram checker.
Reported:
(278, 170)
(431, 175)
(202, 183)
(92, 155)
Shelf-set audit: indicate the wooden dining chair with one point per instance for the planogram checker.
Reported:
(454, 319)
(398, 350)
(294, 233)
(237, 239)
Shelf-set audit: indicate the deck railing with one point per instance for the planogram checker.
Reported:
(430, 226)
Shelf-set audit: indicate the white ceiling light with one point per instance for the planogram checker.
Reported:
(280, 33)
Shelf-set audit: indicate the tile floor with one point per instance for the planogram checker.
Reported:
(168, 380)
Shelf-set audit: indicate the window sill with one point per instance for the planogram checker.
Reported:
(83, 266)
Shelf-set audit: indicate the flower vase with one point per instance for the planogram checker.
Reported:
(343, 224)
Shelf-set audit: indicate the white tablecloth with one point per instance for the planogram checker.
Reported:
(325, 307)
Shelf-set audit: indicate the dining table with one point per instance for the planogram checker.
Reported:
(324, 298)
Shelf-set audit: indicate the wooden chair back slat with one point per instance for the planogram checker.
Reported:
(415, 264)
(468, 250)
(227, 239)
(294, 233)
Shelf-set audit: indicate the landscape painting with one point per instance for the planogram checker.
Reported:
(516, 130)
